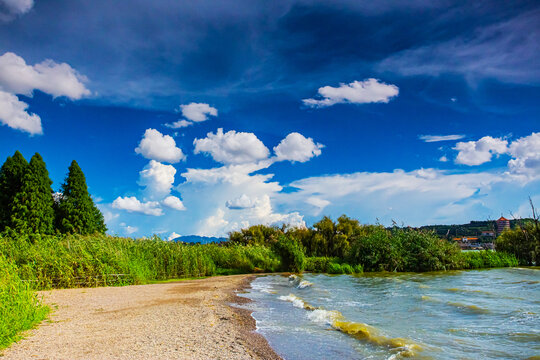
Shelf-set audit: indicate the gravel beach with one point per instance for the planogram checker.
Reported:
(182, 320)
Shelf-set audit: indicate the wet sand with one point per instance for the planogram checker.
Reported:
(183, 320)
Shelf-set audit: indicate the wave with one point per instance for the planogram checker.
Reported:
(469, 308)
(402, 347)
(298, 282)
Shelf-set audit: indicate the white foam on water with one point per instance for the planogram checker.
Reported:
(296, 301)
(304, 284)
(326, 317)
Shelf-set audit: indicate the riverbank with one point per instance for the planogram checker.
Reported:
(188, 320)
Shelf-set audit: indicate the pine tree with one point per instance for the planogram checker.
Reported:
(76, 209)
(32, 209)
(11, 175)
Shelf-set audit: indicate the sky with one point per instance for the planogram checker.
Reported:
(201, 118)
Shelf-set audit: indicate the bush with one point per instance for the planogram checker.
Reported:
(291, 254)
(20, 308)
(318, 264)
(358, 269)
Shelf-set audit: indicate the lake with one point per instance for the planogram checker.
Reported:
(482, 314)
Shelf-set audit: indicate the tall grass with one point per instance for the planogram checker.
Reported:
(19, 306)
(488, 259)
(78, 261)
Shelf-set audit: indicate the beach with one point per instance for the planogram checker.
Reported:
(192, 319)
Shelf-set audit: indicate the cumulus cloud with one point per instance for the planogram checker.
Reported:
(357, 92)
(16, 77)
(437, 138)
(157, 178)
(232, 147)
(240, 203)
(526, 155)
(132, 204)
(481, 151)
(129, 229)
(11, 8)
(156, 146)
(198, 112)
(296, 147)
(174, 203)
(13, 114)
(179, 124)
(248, 198)
(56, 79)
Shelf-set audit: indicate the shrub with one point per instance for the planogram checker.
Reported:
(20, 308)
(291, 254)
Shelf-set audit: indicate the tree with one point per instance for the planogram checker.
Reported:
(11, 175)
(77, 212)
(32, 209)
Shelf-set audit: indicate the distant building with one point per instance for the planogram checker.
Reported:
(502, 224)
(488, 233)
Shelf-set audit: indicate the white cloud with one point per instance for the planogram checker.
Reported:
(240, 203)
(296, 147)
(214, 225)
(157, 178)
(173, 236)
(131, 229)
(248, 198)
(198, 112)
(13, 114)
(10, 8)
(56, 79)
(232, 147)
(526, 155)
(443, 158)
(179, 124)
(357, 92)
(16, 77)
(436, 138)
(479, 152)
(174, 203)
(156, 146)
(132, 204)
(318, 203)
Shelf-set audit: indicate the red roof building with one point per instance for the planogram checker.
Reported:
(502, 224)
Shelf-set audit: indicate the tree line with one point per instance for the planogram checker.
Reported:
(28, 204)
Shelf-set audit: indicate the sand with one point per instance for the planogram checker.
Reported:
(182, 320)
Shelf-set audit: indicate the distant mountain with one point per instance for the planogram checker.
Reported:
(199, 239)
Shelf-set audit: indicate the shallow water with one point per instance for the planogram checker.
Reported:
(482, 314)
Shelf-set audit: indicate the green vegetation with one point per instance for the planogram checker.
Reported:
(19, 306)
(488, 259)
(522, 241)
(76, 212)
(28, 204)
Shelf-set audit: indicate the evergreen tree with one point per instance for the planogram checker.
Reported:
(11, 175)
(32, 209)
(77, 213)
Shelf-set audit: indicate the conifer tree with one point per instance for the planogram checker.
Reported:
(77, 212)
(11, 175)
(32, 209)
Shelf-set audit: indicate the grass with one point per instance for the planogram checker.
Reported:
(20, 308)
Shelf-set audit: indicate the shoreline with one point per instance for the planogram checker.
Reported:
(247, 325)
(191, 319)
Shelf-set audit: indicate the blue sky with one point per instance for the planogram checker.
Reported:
(205, 117)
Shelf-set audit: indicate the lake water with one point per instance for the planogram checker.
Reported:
(483, 314)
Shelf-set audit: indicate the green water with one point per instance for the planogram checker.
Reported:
(487, 314)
